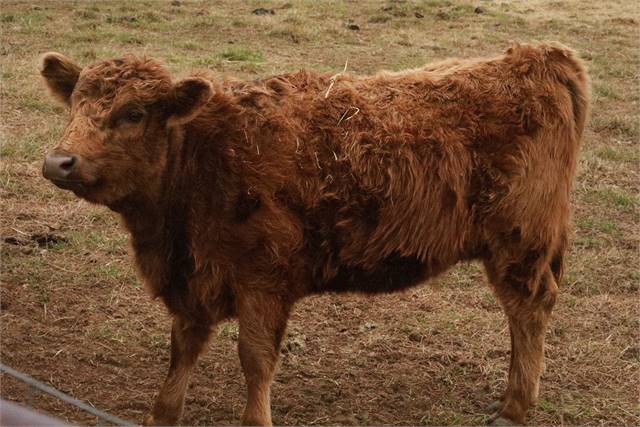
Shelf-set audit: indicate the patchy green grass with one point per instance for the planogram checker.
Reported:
(625, 125)
(614, 198)
(39, 105)
(130, 39)
(619, 154)
(241, 54)
(601, 225)
(113, 273)
(228, 330)
(290, 34)
(605, 91)
(29, 146)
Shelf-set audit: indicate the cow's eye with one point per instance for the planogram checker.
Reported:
(134, 116)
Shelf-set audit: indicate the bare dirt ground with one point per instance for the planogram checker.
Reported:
(73, 315)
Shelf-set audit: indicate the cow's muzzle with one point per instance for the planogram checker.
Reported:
(58, 166)
(65, 171)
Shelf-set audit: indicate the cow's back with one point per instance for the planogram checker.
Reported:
(421, 169)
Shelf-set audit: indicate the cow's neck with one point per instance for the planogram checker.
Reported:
(158, 224)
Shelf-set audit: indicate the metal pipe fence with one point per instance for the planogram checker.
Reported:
(33, 385)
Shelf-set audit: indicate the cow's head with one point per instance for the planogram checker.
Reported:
(122, 112)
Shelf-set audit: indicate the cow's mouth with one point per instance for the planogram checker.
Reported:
(78, 187)
(66, 184)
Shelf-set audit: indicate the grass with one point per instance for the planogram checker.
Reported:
(612, 198)
(113, 273)
(29, 146)
(619, 154)
(290, 33)
(39, 105)
(601, 225)
(127, 39)
(605, 91)
(229, 330)
(623, 125)
(241, 54)
(437, 354)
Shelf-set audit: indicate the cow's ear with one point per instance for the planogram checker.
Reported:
(61, 75)
(187, 98)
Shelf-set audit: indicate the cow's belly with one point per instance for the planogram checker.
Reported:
(394, 273)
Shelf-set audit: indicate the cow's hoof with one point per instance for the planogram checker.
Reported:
(494, 407)
(150, 420)
(502, 421)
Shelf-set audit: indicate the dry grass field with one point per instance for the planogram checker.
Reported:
(73, 314)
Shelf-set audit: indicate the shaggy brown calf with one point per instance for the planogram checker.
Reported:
(243, 197)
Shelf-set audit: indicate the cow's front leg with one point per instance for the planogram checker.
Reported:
(187, 341)
(263, 320)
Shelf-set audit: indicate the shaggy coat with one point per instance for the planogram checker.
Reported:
(243, 197)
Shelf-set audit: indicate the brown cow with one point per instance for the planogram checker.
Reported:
(243, 197)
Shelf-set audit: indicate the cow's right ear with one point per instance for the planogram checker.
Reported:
(187, 98)
(60, 74)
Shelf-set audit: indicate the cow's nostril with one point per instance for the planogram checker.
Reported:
(58, 166)
(67, 163)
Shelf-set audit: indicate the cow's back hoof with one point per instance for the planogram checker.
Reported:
(494, 406)
(502, 421)
(150, 420)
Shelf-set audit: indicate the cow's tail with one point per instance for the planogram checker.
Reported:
(571, 72)
(563, 64)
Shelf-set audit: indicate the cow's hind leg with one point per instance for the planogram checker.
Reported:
(187, 342)
(263, 320)
(527, 290)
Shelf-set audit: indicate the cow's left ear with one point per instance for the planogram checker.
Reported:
(187, 98)
(61, 75)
